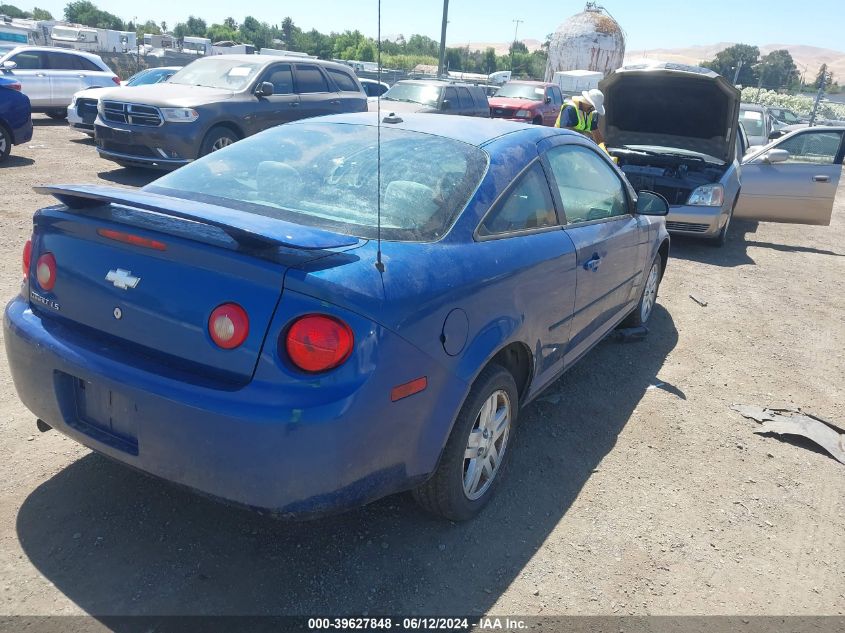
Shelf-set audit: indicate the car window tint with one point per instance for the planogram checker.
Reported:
(60, 61)
(465, 99)
(480, 98)
(344, 82)
(528, 205)
(450, 95)
(281, 78)
(310, 79)
(557, 97)
(28, 60)
(87, 64)
(589, 189)
(812, 147)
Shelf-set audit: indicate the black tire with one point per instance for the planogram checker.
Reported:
(57, 115)
(443, 494)
(637, 318)
(5, 143)
(537, 120)
(216, 136)
(722, 238)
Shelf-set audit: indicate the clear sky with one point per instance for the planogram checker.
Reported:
(647, 23)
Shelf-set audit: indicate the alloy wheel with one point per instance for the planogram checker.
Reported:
(222, 142)
(486, 444)
(650, 293)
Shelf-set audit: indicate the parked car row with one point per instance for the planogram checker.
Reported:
(15, 116)
(316, 363)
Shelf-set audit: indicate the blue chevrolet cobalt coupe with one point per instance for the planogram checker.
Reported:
(238, 327)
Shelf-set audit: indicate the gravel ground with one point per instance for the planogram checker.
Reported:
(622, 498)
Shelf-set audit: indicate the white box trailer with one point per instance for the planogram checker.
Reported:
(198, 46)
(84, 38)
(573, 82)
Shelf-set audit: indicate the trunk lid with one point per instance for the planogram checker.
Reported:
(673, 106)
(155, 301)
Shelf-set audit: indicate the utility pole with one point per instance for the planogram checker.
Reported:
(738, 68)
(442, 63)
(818, 98)
(515, 31)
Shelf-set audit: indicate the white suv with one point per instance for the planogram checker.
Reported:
(51, 76)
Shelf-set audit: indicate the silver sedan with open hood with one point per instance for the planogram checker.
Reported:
(673, 130)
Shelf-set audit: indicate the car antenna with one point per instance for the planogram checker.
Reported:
(379, 263)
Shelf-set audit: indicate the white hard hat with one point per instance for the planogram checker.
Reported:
(595, 98)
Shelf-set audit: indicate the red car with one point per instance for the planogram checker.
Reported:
(527, 101)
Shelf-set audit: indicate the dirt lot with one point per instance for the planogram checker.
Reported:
(622, 498)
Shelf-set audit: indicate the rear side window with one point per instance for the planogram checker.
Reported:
(465, 99)
(527, 205)
(323, 175)
(87, 64)
(28, 60)
(344, 82)
(310, 79)
(589, 188)
(282, 79)
(480, 98)
(60, 61)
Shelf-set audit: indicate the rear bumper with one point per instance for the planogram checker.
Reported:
(696, 221)
(23, 134)
(252, 445)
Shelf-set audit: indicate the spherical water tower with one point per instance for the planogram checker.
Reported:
(591, 40)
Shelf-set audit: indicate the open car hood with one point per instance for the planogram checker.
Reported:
(671, 105)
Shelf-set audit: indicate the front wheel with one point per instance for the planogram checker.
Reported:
(5, 143)
(722, 238)
(218, 138)
(473, 462)
(648, 299)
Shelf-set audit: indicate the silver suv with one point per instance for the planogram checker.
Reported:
(51, 76)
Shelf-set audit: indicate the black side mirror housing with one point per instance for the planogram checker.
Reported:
(650, 203)
(548, 100)
(447, 105)
(264, 89)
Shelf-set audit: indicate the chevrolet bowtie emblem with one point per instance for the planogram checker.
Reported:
(122, 279)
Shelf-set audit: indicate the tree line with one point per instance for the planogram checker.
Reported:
(742, 64)
(399, 53)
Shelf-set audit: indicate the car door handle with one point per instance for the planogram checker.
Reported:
(335, 102)
(593, 263)
(40, 75)
(294, 104)
(821, 178)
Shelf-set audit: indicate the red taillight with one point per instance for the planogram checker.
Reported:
(128, 238)
(116, 80)
(15, 86)
(228, 325)
(317, 342)
(45, 271)
(27, 258)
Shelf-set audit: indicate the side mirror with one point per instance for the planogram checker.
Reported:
(447, 105)
(775, 156)
(9, 65)
(548, 100)
(775, 134)
(650, 203)
(264, 89)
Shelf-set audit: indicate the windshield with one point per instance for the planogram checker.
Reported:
(227, 74)
(414, 93)
(147, 77)
(753, 122)
(785, 116)
(324, 175)
(522, 91)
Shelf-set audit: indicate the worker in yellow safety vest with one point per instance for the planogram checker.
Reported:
(582, 114)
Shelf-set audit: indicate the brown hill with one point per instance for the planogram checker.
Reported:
(807, 58)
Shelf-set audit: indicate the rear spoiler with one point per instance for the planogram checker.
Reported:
(249, 230)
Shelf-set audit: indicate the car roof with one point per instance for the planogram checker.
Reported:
(437, 82)
(55, 49)
(471, 130)
(545, 84)
(266, 59)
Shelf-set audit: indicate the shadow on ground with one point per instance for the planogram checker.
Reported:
(45, 121)
(16, 161)
(118, 542)
(131, 176)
